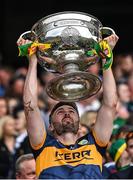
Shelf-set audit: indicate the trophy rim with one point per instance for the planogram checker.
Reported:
(76, 99)
(65, 12)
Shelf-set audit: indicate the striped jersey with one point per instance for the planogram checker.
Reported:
(83, 160)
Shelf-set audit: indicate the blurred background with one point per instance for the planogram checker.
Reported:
(19, 16)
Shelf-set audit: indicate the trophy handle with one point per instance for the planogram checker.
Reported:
(30, 35)
(107, 31)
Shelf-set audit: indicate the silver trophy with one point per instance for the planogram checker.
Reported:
(70, 35)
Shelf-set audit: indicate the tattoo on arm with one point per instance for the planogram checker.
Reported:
(27, 107)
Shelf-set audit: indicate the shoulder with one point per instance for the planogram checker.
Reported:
(49, 141)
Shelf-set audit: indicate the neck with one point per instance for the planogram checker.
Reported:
(67, 138)
(21, 131)
(8, 138)
(10, 142)
(124, 163)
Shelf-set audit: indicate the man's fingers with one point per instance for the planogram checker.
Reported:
(112, 37)
(112, 40)
(116, 38)
(22, 41)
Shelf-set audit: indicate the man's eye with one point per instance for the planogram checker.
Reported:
(59, 112)
(72, 112)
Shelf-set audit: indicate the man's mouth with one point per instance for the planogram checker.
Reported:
(67, 120)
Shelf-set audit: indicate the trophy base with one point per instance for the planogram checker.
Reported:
(73, 87)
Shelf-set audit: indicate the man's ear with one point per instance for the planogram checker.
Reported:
(51, 127)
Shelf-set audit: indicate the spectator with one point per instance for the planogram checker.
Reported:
(46, 77)
(122, 111)
(83, 130)
(130, 84)
(12, 103)
(88, 119)
(129, 141)
(25, 167)
(123, 66)
(120, 155)
(124, 93)
(16, 87)
(90, 104)
(123, 131)
(5, 76)
(22, 145)
(3, 106)
(7, 143)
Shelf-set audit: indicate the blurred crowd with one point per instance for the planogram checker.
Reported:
(14, 141)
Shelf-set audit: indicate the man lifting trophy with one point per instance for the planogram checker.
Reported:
(66, 44)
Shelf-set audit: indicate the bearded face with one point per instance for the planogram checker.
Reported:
(65, 119)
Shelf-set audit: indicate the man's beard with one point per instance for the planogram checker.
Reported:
(65, 127)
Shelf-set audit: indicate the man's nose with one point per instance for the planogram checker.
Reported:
(67, 113)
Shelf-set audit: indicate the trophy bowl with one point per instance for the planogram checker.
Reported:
(70, 36)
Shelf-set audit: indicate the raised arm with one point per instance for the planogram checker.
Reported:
(35, 124)
(106, 115)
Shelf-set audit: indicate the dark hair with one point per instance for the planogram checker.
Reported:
(121, 82)
(17, 109)
(129, 136)
(15, 78)
(72, 104)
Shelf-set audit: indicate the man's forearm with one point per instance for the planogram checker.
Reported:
(109, 89)
(30, 87)
(104, 123)
(35, 124)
